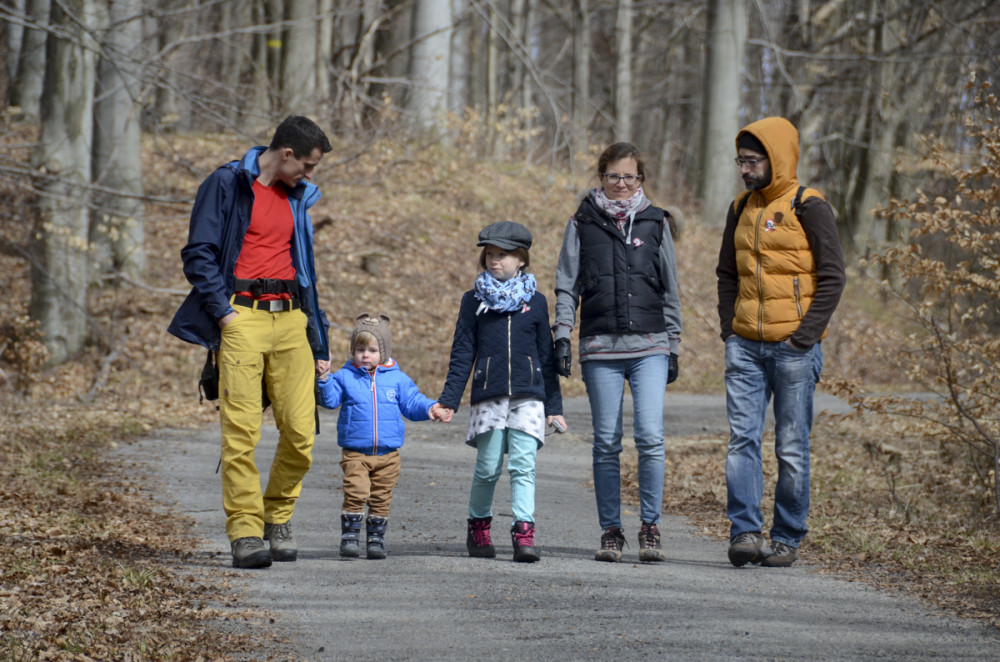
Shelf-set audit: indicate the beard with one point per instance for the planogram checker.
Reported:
(756, 182)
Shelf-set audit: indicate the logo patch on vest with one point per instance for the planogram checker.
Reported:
(637, 242)
(769, 225)
(391, 395)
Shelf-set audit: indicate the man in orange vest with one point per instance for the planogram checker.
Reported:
(780, 277)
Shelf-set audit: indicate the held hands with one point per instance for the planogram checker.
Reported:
(440, 413)
(673, 369)
(322, 369)
(564, 356)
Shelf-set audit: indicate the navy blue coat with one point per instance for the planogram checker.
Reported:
(507, 354)
(219, 222)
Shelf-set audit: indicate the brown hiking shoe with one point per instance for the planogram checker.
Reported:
(250, 552)
(650, 550)
(781, 556)
(612, 542)
(746, 548)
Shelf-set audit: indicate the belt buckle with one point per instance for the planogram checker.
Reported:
(275, 305)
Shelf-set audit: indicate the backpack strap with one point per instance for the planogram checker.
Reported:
(796, 203)
(741, 205)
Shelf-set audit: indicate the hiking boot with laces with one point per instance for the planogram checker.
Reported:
(250, 552)
(282, 543)
(612, 542)
(522, 536)
(747, 547)
(350, 534)
(781, 556)
(650, 550)
(478, 541)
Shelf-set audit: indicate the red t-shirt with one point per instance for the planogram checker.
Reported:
(267, 246)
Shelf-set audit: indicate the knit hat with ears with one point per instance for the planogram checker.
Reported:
(378, 327)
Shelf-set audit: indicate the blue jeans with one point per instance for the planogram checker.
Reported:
(605, 381)
(521, 449)
(754, 372)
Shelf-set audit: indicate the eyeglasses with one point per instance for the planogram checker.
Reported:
(740, 161)
(630, 180)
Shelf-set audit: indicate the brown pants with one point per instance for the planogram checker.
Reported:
(369, 478)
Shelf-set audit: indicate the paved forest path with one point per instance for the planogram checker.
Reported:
(429, 601)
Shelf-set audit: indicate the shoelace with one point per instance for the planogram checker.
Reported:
(481, 535)
(649, 536)
(281, 531)
(526, 539)
(612, 540)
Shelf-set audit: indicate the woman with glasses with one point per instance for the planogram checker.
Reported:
(617, 266)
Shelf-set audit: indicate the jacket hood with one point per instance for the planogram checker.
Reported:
(781, 140)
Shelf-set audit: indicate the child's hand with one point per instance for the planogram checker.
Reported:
(441, 413)
(322, 370)
(557, 422)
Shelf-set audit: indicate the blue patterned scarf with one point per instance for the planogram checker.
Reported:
(504, 296)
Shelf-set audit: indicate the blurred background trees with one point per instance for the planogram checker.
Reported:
(547, 82)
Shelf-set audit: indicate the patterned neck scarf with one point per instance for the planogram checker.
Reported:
(504, 296)
(620, 210)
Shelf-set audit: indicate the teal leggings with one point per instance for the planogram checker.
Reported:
(521, 449)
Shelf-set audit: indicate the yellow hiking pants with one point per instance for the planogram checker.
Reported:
(257, 345)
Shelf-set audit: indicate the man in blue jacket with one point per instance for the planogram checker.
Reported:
(249, 258)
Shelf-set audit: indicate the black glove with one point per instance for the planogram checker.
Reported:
(673, 368)
(564, 356)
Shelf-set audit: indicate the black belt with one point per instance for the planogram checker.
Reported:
(271, 306)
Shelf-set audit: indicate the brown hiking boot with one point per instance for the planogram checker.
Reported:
(781, 556)
(612, 542)
(747, 547)
(650, 550)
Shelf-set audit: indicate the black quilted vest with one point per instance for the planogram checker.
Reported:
(621, 289)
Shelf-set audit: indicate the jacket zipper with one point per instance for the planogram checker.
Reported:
(760, 281)
(375, 413)
(531, 371)
(798, 298)
(510, 380)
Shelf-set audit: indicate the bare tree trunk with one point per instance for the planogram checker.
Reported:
(117, 232)
(27, 90)
(492, 82)
(459, 66)
(717, 179)
(429, 68)
(324, 51)
(392, 52)
(59, 246)
(13, 34)
(298, 58)
(581, 83)
(623, 72)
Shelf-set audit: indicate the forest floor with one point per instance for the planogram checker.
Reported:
(94, 568)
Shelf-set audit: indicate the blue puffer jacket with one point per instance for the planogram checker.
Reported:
(219, 222)
(508, 354)
(372, 407)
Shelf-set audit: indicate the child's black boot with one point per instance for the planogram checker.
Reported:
(522, 535)
(478, 541)
(375, 527)
(350, 534)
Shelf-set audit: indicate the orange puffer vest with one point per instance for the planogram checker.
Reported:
(776, 266)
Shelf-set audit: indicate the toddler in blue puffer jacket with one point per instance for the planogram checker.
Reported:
(373, 395)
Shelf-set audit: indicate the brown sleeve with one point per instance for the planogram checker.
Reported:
(820, 225)
(728, 276)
